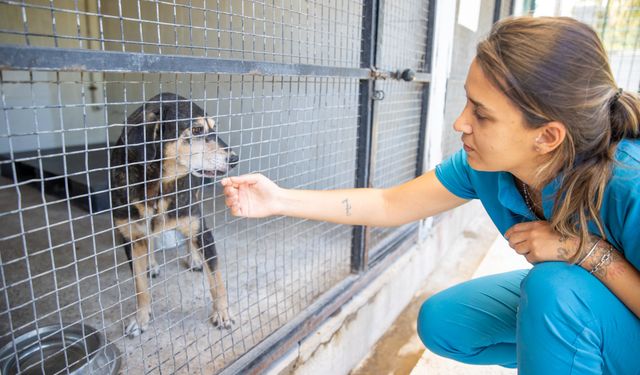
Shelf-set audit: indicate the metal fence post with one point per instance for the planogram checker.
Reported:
(365, 122)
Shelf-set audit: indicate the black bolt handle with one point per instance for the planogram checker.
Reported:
(407, 75)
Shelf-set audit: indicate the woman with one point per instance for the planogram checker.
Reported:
(551, 150)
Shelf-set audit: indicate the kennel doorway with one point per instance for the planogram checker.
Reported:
(314, 94)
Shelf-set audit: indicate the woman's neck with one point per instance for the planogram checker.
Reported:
(527, 180)
(532, 198)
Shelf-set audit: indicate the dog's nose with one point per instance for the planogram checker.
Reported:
(233, 160)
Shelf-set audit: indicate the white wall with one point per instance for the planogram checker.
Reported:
(45, 110)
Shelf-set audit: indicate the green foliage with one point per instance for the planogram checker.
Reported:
(619, 25)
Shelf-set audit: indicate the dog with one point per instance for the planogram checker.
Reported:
(164, 143)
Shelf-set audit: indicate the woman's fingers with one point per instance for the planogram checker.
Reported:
(521, 248)
(235, 181)
(519, 241)
(230, 202)
(247, 195)
(230, 192)
(515, 238)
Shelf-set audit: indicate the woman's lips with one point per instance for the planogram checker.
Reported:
(467, 148)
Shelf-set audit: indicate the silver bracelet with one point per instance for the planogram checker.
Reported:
(604, 260)
(589, 253)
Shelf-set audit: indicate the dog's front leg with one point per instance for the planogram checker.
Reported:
(140, 323)
(221, 317)
(188, 227)
(195, 259)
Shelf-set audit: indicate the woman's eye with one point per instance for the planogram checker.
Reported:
(478, 115)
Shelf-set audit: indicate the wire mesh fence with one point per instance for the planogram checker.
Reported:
(113, 222)
(399, 115)
(396, 142)
(63, 264)
(313, 32)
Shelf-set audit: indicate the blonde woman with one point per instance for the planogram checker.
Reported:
(551, 149)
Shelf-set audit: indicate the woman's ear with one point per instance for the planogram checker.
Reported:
(550, 136)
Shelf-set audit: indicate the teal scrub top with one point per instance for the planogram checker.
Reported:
(501, 199)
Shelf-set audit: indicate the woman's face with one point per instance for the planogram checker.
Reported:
(493, 130)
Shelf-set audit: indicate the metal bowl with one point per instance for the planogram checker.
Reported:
(78, 349)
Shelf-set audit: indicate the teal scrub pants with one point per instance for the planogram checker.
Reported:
(553, 319)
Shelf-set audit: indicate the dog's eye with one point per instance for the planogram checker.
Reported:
(197, 130)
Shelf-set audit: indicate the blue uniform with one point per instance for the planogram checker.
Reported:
(555, 318)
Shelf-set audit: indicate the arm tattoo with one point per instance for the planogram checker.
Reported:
(616, 266)
(347, 207)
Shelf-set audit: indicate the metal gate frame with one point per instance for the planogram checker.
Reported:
(363, 271)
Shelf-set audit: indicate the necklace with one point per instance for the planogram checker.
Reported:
(528, 200)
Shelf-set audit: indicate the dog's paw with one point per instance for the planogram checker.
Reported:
(133, 329)
(222, 320)
(136, 327)
(154, 270)
(195, 263)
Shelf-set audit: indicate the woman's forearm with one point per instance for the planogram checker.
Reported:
(620, 276)
(347, 206)
(413, 200)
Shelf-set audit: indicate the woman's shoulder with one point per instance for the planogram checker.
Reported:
(628, 152)
(626, 170)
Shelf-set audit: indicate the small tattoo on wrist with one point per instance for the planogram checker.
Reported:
(347, 207)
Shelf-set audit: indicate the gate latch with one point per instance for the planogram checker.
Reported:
(378, 74)
(407, 75)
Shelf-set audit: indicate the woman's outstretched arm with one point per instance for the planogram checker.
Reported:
(255, 195)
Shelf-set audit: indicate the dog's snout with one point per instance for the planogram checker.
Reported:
(233, 159)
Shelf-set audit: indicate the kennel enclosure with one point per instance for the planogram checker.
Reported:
(328, 94)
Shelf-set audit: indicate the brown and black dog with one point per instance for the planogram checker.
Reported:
(164, 143)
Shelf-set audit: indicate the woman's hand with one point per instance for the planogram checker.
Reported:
(538, 242)
(251, 195)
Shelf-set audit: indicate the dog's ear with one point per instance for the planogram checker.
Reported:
(142, 137)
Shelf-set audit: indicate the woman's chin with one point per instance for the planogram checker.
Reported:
(479, 166)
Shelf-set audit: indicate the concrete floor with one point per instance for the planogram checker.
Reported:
(61, 265)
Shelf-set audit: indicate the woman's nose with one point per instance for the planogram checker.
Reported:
(462, 125)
